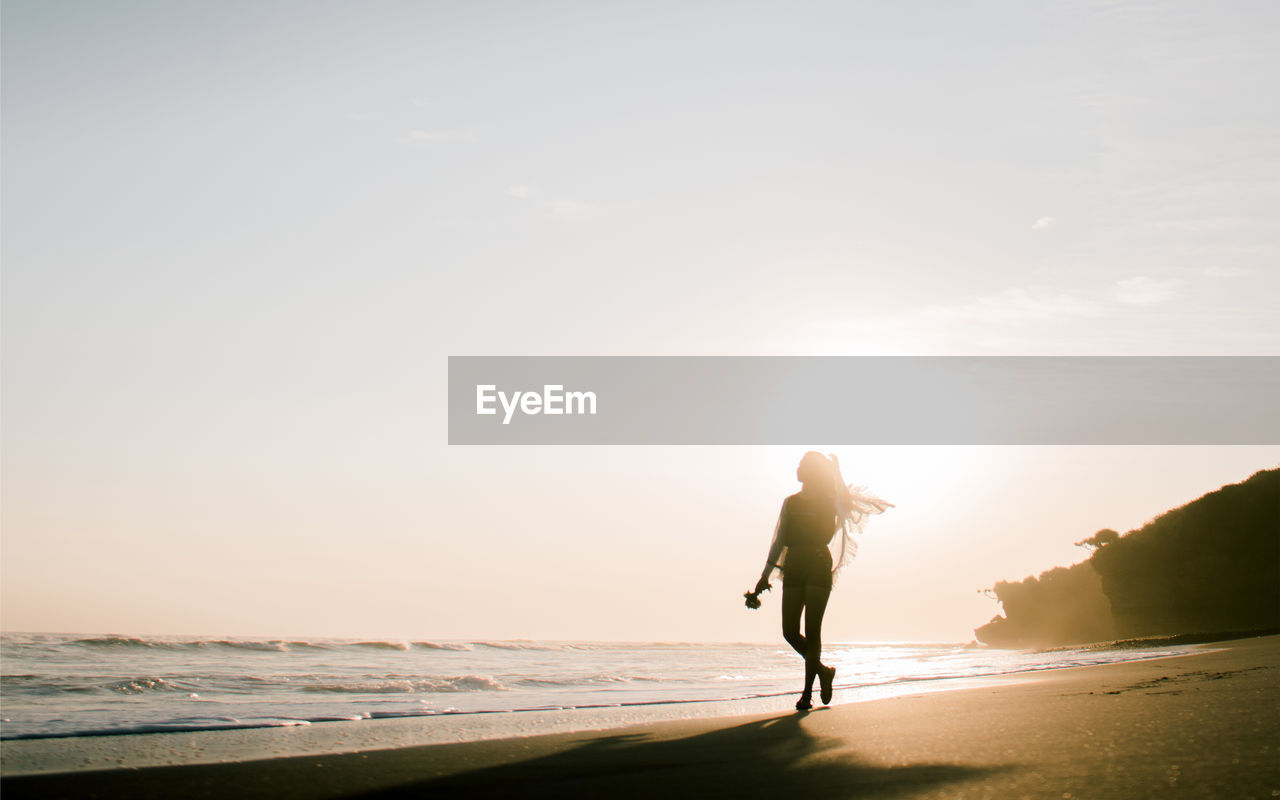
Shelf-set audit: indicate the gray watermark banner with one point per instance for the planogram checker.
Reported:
(765, 400)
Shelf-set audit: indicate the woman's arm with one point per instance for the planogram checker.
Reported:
(775, 549)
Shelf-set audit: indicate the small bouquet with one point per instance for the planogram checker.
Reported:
(753, 598)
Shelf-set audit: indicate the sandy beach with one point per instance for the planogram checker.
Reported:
(1203, 725)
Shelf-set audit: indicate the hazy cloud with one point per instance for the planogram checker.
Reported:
(1013, 305)
(1144, 291)
(439, 136)
(1016, 318)
(545, 205)
(1043, 223)
(1226, 272)
(573, 210)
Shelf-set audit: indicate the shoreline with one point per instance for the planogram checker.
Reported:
(45, 755)
(487, 723)
(79, 752)
(1202, 723)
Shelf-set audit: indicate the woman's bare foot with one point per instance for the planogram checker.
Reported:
(827, 677)
(805, 702)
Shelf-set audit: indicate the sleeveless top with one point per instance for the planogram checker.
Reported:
(808, 525)
(808, 520)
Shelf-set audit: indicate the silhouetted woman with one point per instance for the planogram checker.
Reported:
(807, 551)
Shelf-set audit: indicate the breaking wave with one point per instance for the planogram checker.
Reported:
(114, 642)
(463, 683)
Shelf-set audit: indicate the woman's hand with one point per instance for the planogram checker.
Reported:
(753, 598)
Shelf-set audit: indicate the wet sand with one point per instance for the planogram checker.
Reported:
(1204, 725)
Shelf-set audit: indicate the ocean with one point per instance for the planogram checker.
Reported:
(61, 685)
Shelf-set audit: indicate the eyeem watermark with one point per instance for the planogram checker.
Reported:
(849, 400)
(553, 399)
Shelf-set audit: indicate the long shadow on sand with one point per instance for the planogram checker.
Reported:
(755, 759)
(773, 755)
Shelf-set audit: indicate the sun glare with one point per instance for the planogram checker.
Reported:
(917, 473)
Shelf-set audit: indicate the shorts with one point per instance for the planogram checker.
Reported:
(807, 566)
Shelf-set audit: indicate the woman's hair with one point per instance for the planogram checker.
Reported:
(823, 473)
(816, 470)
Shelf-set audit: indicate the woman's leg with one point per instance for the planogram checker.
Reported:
(793, 600)
(815, 603)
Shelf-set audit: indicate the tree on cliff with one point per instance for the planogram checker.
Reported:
(1102, 538)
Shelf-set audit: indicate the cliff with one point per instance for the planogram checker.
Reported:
(1212, 565)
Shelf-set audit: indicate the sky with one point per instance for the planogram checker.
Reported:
(240, 241)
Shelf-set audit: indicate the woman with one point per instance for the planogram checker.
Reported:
(802, 548)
